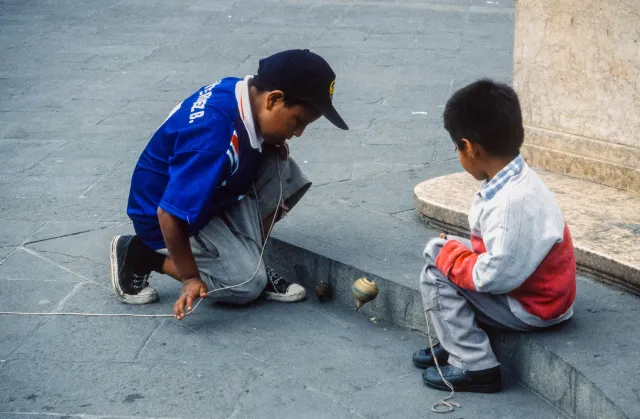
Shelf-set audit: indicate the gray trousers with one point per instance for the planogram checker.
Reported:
(454, 311)
(227, 250)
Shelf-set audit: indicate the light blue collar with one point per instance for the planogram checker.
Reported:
(491, 187)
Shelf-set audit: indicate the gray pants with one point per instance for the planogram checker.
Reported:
(227, 250)
(454, 312)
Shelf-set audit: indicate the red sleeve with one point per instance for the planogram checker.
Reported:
(456, 262)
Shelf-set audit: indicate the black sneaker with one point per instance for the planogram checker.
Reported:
(130, 282)
(484, 381)
(422, 358)
(279, 289)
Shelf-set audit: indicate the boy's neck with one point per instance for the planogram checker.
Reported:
(253, 102)
(495, 165)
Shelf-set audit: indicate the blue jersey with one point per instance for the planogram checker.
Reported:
(204, 158)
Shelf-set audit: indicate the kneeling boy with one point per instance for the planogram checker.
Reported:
(214, 178)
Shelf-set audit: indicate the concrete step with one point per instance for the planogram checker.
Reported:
(586, 368)
(604, 221)
(591, 148)
(593, 169)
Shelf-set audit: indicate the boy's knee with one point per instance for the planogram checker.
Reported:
(252, 289)
(433, 282)
(432, 249)
(430, 275)
(256, 285)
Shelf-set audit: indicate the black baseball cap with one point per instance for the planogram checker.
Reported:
(302, 75)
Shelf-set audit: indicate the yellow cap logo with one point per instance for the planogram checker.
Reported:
(331, 86)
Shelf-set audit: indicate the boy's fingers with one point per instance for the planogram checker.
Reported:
(178, 309)
(189, 302)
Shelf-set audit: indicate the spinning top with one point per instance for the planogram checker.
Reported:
(364, 291)
(323, 291)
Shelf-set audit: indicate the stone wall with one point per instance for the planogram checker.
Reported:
(577, 71)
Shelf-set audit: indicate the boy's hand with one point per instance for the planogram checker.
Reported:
(443, 235)
(191, 289)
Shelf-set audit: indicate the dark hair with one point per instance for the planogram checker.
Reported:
(288, 101)
(487, 113)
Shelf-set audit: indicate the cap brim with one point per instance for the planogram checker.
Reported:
(329, 112)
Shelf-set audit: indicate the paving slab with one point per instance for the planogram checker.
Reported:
(75, 339)
(15, 332)
(60, 229)
(23, 265)
(19, 156)
(63, 209)
(13, 233)
(34, 293)
(327, 362)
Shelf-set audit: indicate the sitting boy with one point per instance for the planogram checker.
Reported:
(518, 271)
(213, 180)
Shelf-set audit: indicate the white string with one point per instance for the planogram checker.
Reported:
(24, 313)
(273, 221)
(449, 406)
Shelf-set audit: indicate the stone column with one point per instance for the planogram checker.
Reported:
(577, 72)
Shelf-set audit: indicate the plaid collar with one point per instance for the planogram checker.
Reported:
(491, 187)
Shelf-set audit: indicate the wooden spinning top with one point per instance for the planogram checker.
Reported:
(323, 291)
(364, 290)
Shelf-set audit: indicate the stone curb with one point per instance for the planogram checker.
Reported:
(538, 368)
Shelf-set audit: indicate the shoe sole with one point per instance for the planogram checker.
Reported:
(476, 388)
(285, 298)
(425, 366)
(115, 268)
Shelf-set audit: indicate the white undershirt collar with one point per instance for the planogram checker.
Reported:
(244, 106)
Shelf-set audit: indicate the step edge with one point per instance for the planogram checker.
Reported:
(628, 179)
(533, 134)
(590, 159)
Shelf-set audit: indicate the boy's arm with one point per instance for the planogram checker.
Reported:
(513, 252)
(456, 261)
(194, 175)
(176, 237)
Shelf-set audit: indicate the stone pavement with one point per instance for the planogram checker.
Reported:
(83, 85)
(266, 360)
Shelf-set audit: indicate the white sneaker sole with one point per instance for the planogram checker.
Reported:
(146, 296)
(290, 297)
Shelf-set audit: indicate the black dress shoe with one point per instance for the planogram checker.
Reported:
(422, 358)
(483, 381)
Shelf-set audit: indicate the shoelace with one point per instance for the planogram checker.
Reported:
(275, 279)
(274, 276)
(139, 281)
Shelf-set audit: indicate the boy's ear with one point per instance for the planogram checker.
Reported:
(466, 146)
(472, 149)
(273, 97)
